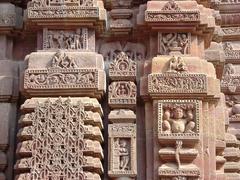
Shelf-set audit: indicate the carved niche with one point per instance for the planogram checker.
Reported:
(176, 80)
(65, 39)
(62, 8)
(178, 119)
(122, 93)
(172, 12)
(123, 68)
(122, 150)
(62, 73)
(56, 142)
(174, 42)
(110, 50)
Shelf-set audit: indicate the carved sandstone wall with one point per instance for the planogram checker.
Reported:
(119, 89)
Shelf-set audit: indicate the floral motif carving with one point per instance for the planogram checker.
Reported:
(177, 83)
(178, 119)
(122, 68)
(122, 93)
(174, 42)
(53, 39)
(122, 144)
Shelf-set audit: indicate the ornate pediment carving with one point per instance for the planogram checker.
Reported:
(122, 68)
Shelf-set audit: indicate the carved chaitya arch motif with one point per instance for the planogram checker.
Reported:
(178, 119)
(122, 93)
(135, 51)
(174, 42)
(122, 146)
(65, 39)
(122, 68)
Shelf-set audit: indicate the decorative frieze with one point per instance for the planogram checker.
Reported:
(174, 42)
(66, 39)
(172, 12)
(122, 93)
(122, 68)
(231, 53)
(177, 83)
(178, 120)
(63, 73)
(122, 150)
(38, 9)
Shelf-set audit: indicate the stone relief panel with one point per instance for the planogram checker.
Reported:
(122, 93)
(62, 73)
(178, 119)
(123, 68)
(66, 39)
(135, 51)
(174, 42)
(55, 144)
(232, 51)
(230, 81)
(62, 8)
(122, 146)
(172, 12)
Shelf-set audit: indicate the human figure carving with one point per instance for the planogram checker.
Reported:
(122, 90)
(183, 41)
(123, 155)
(177, 64)
(178, 123)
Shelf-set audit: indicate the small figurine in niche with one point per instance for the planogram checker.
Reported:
(122, 91)
(123, 155)
(177, 64)
(175, 122)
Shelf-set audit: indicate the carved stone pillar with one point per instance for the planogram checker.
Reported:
(181, 92)
(60, 130)
(10, 21)
(122, 93)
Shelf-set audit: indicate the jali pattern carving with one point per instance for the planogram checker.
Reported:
(57, 150)
(122, 144)
(122, 68)
(71, 40)
(178, 119)
(170, 42)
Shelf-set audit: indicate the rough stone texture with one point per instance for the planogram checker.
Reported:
(120, 90)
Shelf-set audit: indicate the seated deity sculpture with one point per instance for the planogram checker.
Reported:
(177, 122)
